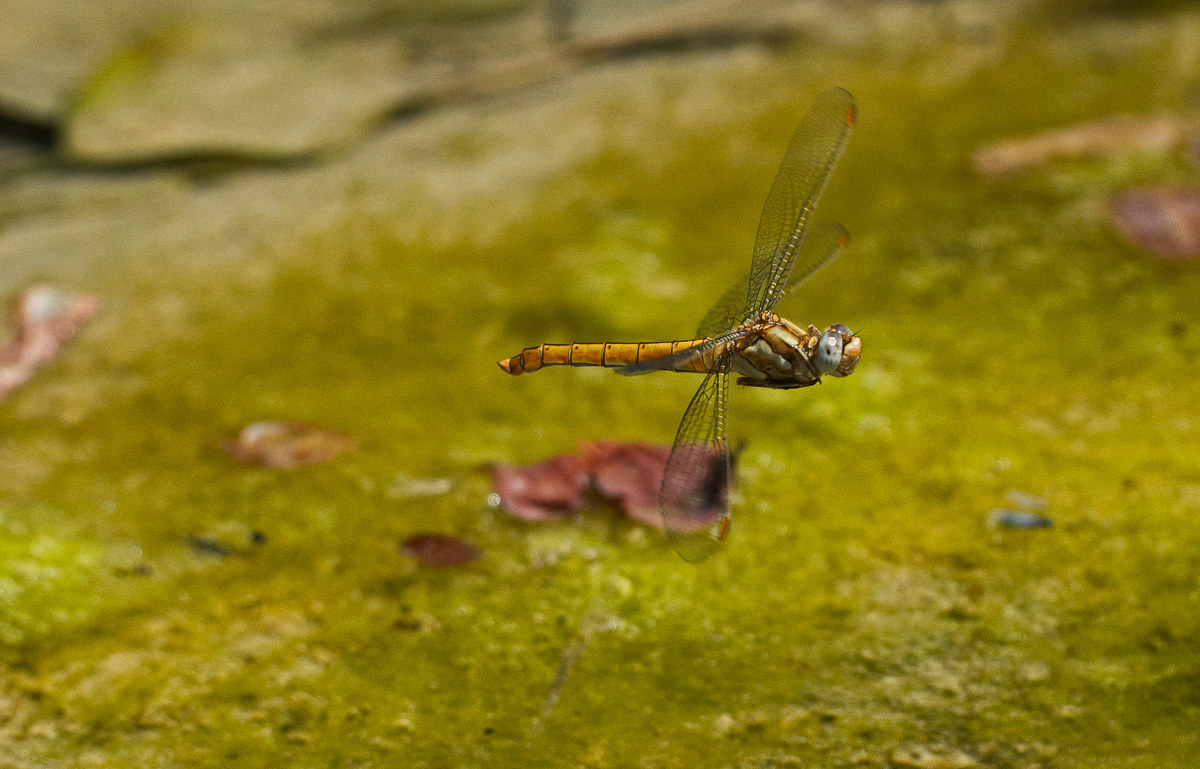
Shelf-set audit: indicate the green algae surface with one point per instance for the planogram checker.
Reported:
(863, 613)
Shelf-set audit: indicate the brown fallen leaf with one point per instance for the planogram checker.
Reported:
(544, 491)
(1162, 220)
(627, 473)
(439, 550)
(630, 474)
(46, 317)
(1122, 133)
(286, 445)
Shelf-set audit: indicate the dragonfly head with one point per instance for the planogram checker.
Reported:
(837, 351)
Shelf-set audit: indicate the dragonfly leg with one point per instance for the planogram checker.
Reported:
(775, 384)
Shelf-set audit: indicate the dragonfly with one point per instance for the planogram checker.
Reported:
(741, 334)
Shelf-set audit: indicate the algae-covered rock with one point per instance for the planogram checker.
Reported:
(192, 91)
(197, 60)
(162, 605)
(47, 49)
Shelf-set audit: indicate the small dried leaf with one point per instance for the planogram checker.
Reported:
(1162, 220)
(1122, 133)
(46, 317)
(439, 550)
(286, 445)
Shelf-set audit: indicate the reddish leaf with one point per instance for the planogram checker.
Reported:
(544, 491)
(46, 317)
(1162, 220)
(439, 550)
(630, 474)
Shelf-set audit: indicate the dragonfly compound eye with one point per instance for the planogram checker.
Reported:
(829, 351)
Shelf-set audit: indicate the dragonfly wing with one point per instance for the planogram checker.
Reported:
(811, 156)
(820, 247)
(729, 311)
(682, 360)
(824, 244)
(698, 477)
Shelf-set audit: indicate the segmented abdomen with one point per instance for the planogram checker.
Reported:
(607, 354)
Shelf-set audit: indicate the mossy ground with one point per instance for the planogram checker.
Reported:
(862, 613)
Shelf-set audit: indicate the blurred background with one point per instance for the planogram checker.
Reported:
(263, 256)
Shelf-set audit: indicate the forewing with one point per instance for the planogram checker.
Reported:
(811, 156)
(729, 311)
(698, 476)
(824, 244)
(821, 246)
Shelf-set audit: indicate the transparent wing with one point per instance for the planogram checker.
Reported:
(698, 476)
(729, 311)
(822, 245)
(681, 359)
(807, 165)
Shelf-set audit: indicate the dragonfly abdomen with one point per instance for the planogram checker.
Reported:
(606, 354)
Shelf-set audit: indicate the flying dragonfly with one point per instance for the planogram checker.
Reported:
(741, 334)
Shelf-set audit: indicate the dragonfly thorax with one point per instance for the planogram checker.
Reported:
(774, 352)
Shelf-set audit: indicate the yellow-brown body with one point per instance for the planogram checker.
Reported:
(607, 354)
(768, 351)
